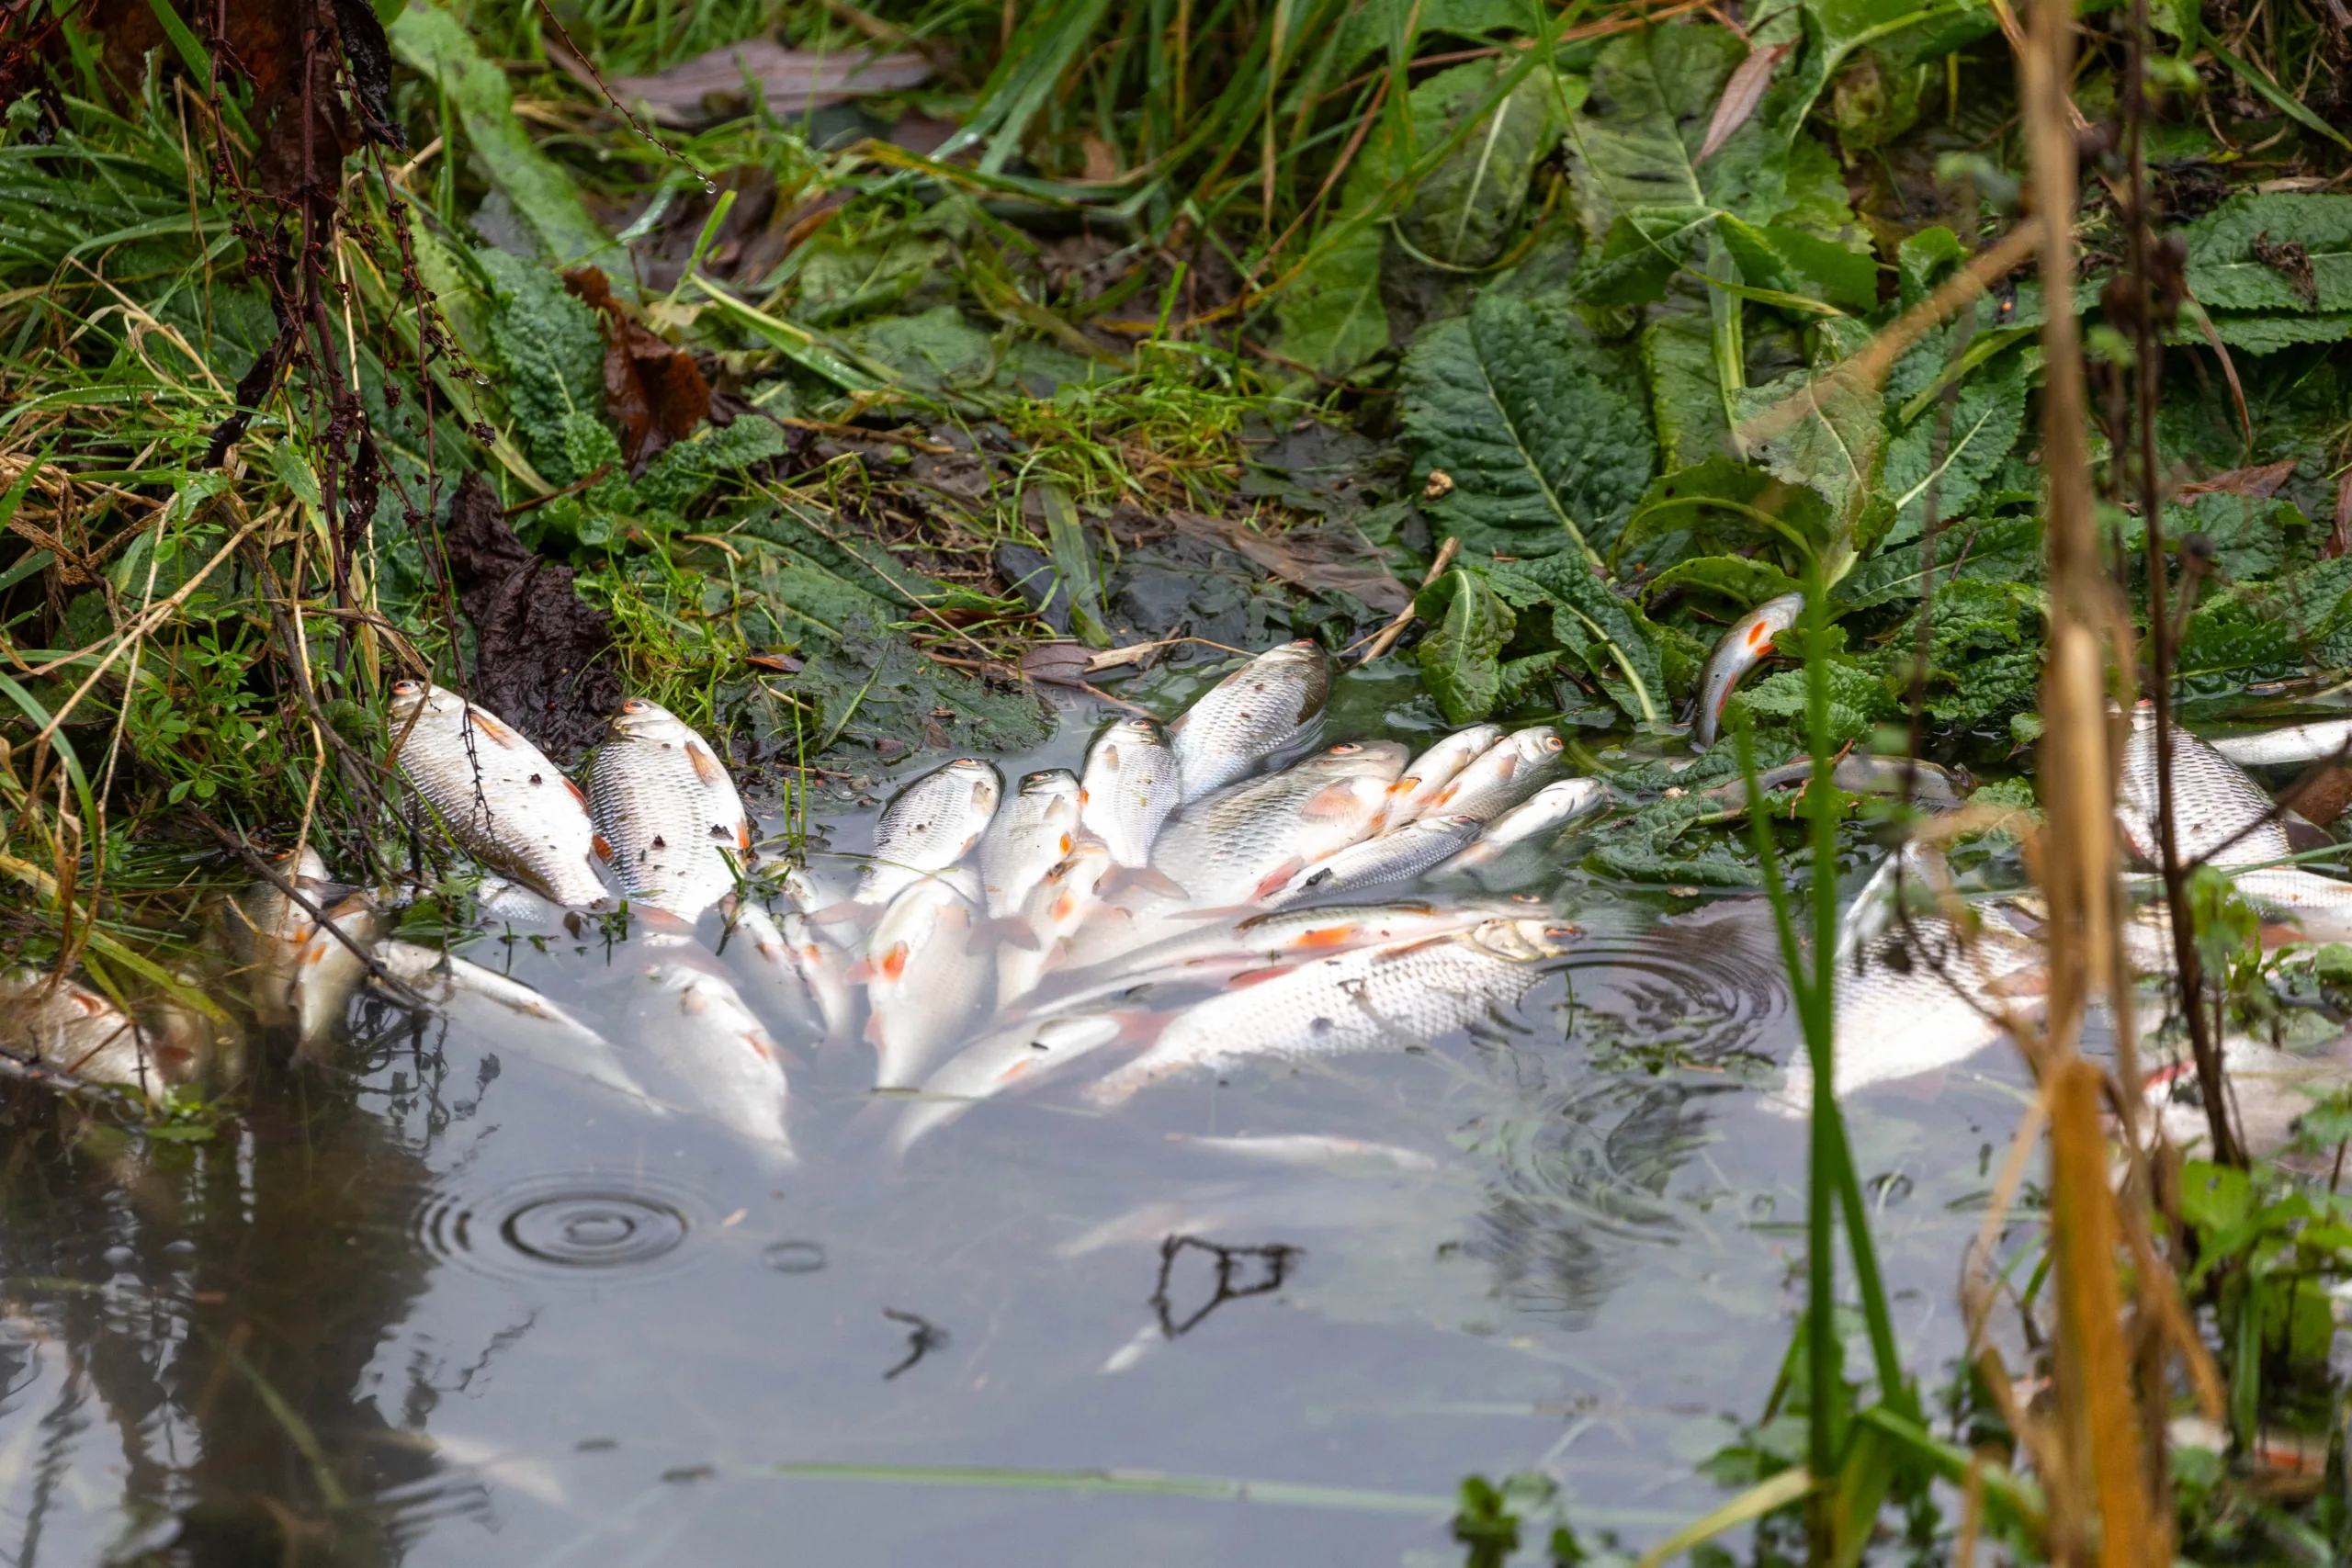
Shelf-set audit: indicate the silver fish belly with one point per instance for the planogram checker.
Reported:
(1244, 843)
(1501, 776)
(926, 986)
(721, 1060)
(1363, 1000)
(1030, 835)
(1130, 785)
(74, 1030)
(929, 825)
(1434, 770)
(669, 810)
(1397, 855)
(1064, 899)
(1743, 648)
(2294, 744)
(499, 795)
(1270, 703)
(1546, 811)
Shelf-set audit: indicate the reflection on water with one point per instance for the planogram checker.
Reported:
(439, 1300)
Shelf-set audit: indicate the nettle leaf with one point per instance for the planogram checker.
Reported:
(1688, 401)
(1641, 254)
(1460, 656)
(1612, 638)
(1996, 549)
(1538, 428)
(1987, 417)
(1466, 210)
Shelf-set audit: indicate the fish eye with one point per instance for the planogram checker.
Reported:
(406, 688)
(635, 704)
(1344, 749)
(1561, 933)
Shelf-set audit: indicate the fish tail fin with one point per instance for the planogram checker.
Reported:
(1140, 878)
(1007, 930)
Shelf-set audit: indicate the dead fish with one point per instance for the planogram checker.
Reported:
(1932, 788)
(2294, 744)
(1309, 1149)
(929, 825)
(1060, 903)
(1501, 776)
(2318, 907)
(2220, 815)
(2269, 1093)
(71, 1028)
(723, 1063)
(510, 903)
(1360, 1000)
(926, 985)
(805, 968)
(1743, 647)
(1130, 785)
(1245, 842)
(1546, 811)
(1021, 1055)
(298, 975)
(497, 794)
(1397, 855)
(668, 808)
(1916, 998)
(1030, 835)
(1434, 770)
(1268, 704)
(447, 981)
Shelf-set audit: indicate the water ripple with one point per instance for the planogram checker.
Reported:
(588, 1226)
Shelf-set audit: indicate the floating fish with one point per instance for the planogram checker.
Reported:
(1932, 788)
(1030, 835)
(297, 976)
(1431, 772)
(445, 980)
(1060, 903)
(2220, 815)
(1743, 647)
(929, 825)
(777, 973)
(2296, 743)
(1546, 811)
(1362, 1000)
(1268, 704)
(1130, 785)
(928, 984)
(1915, 998)
(1247, 840)
(1022, 1053)
(71, 1028)
(1310, 1149)
(723, 1062)
(2270, 1091)
(2318, 907)
(669, 810)
(496, 794)
(1397, 855)
(1501, 776)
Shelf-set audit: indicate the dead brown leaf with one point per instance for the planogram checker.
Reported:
(655, 390)
(1741, 95)
(1332, 556)
(2260, 482)
(713, 85)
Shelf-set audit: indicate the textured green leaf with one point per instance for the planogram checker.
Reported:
(552, 355)
(1538, 428)
(1746, 582)
(1460, 656)
(1687, 404)
(1773, 257)
(2268, 335)
(2000, 547)
(1613, 639)
(1466, 210)
(1836, 445)
(1718, 507)
(1641, 254)
(841, 279)
(2225, 275)
(432, 42)
(1986, 419)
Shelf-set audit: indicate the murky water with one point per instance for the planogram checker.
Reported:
(442, 1301)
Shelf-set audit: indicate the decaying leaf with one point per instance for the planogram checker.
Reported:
(2261, 481)
(655, 390)
(1331, 558)
(1741, 95)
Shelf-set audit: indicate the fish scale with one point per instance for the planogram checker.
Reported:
(497, 794)
(1499, 777)
(925, 985)
(1268, 704)
(1028, 836)
(2220, 815)
(1131, 784)
(1394, 856)
(1434, 770)
(1360, 1000)
(929, 825)
(669, 811)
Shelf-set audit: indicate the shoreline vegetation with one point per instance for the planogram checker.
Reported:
(849, 380)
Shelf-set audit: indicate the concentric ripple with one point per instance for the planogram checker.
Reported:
(589, 1227)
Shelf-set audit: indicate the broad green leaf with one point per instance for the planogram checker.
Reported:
(432, 42)
(1773, 257)
(551, 355)
(2226, 273)
(841, 279)
(1459, 658)
(1653, 92)
(1686, 383)
(1832, 439)
(1611, 637)
(1642, 252)
(2268, 335)
(1538, 429)
(2000, 548)
(1986, 419)
(1746, 582)
(1466, 210)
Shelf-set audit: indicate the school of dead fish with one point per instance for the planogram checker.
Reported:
(1215, 889)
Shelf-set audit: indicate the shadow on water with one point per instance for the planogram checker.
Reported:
(201, 1318)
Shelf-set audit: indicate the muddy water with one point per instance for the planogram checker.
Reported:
(439, 1301)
